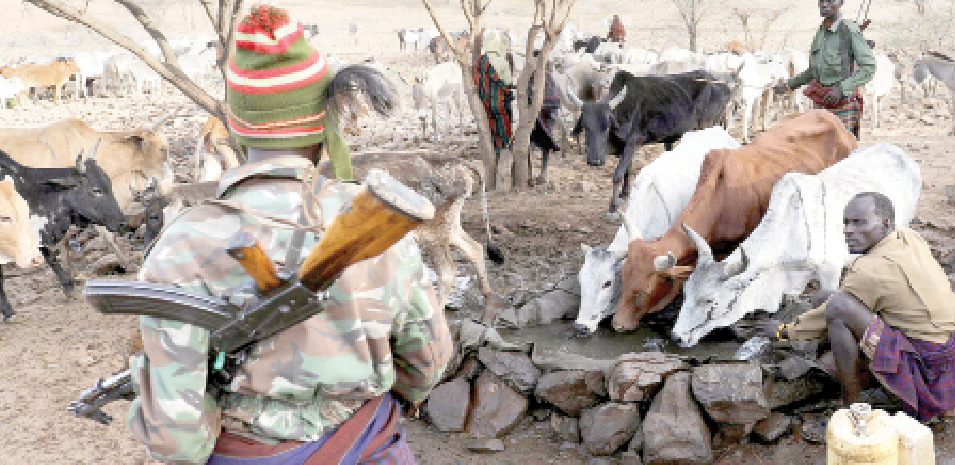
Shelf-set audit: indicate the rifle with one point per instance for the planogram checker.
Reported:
(272, 301)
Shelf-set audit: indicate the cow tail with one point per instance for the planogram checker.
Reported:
(344, 93)
(494, 252)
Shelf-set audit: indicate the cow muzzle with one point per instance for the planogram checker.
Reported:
(684, 343)
(582, 330)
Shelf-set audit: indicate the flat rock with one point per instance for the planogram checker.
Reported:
(561, 302)
(633, 377)
(674, 430)
(771, 428)
(630, 458)
(514, 368)
(486, 445)
(601, 461)
(595, 382)
(566, 428)
(636, 442)
(780, 393)
(448, 404)
(497, 409)
(566, 390)
(606, 427)
(564, 362)
(731, 392)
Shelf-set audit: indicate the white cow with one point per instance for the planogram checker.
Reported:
(441, 83)
(425, 36)
(660, 192)
(756, 77)
(639, 56)
(880, 85)
(800, 237)
(92, 66)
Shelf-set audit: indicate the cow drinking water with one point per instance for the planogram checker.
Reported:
(799, 238)
(730, 199)
(660, 192)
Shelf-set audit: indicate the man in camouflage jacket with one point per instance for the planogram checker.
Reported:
(381, 332)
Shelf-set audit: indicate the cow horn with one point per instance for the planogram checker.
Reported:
(664, 262)
(79, 163)
(735, 268)
(703, 250)
(92, 155)
(618, 98)
(633, 232)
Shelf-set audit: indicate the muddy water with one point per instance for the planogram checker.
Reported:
(555, 339)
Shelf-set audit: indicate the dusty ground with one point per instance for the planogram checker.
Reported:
(58, 346)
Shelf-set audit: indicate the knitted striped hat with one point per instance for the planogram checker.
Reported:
(275, 83)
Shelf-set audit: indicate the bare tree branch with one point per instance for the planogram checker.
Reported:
(168, 70)
(169, 56)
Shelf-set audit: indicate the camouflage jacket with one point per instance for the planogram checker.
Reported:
(381, 331)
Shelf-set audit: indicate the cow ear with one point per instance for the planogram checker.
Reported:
(137, 138)
(679, 272)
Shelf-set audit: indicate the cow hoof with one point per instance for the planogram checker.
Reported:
(612, 217)
(9, 318)
(540, 181)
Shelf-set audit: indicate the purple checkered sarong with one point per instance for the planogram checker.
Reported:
(920, 373)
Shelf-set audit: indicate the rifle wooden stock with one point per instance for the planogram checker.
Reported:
(381, 214)
(245, 249)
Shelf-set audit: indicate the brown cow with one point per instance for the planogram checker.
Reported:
(131, 159)
(34, 76)
(731, 196)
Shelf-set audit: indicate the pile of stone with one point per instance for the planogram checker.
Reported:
(648, 407)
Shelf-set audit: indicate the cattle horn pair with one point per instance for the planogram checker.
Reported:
(79, 158)
(703, 250)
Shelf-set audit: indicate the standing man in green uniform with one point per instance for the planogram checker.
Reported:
(833, 84)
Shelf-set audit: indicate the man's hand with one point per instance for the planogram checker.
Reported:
(781, 88)
(768, 328)
(833, 97)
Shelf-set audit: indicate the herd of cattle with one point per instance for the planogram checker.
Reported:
(738, 227)
(706, 217)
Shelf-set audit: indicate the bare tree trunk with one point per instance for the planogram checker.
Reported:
(473, 11)
(550, 19)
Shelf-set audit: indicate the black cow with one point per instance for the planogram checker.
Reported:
(648, 109)
(60, 197)
(589, 45)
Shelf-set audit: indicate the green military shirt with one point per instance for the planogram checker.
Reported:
(825, 59)
(382, 329)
